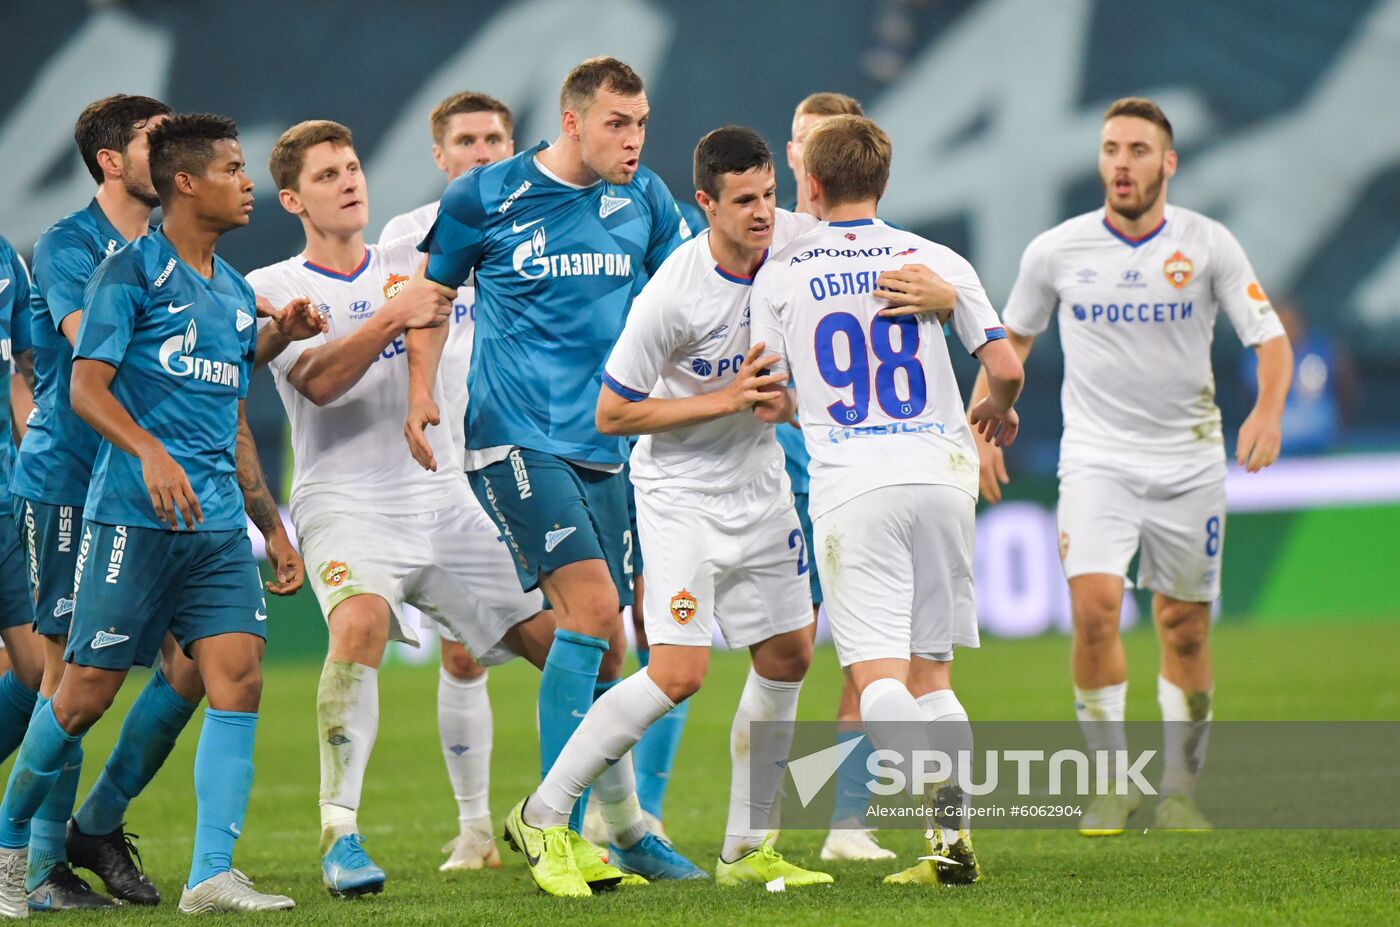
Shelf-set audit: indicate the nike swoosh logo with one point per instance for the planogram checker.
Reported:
(260, 616)
(577, 714)
(172, 308)
(532, 858)
(522, 226)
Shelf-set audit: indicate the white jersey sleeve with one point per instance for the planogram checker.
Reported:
(1033, 298)
(278, 287)
(1237, 291)
(974, 320)
(649, 338)
(415, 222)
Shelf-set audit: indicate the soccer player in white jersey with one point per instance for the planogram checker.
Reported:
(380, 530)
(893, 468)
(1137, 287)
(469, 130)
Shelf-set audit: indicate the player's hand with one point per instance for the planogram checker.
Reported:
(170, 490)
(299, 319)
(750, 385)
(421, 307)
(771, 411)
(914, 289)
(286, 564)
(997, 426)
(1259, 442)
(991, 468)
(421, 414)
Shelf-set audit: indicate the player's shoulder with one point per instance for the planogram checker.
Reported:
(270, 275)
(398, 256)
(1189, 225)
(788, 226)
(1085, 226)
(74, 232)
(415, 222)
(7, 251)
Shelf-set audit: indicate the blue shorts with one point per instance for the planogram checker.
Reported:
(52, 534)
(632, 520)
(553, 513)
(136, 584)
(799, 502)
(16, 607)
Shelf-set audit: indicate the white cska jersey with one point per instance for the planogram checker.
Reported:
(350, 455)
(686, 335)
(1136, 322)
(876, 396)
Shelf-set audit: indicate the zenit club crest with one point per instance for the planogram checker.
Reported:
(334, 573)
(683, 606)
(1178, 270)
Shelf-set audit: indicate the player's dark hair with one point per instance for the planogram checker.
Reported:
(850, 157)
(585, 80)
(468, 101)
(289, 154)
(1141, 108)
(110, 124)
(730, 150)
(185, 144)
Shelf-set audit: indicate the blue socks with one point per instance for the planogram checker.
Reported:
(852, 797)
(566, 691)
(48, 832)
(655, 753)
(148, 735)
(40, 761)
(223, 780)
(16, 707)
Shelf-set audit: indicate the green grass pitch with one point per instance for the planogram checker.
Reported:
(1032, 877)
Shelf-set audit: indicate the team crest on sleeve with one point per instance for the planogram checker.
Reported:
(334, 573)
(394, 285)
(1258, 298)
(683, 606)
(1179, 270)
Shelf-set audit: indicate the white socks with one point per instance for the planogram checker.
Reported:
(1100, 714)
(610, 729)
(949, 730)
(751, 799)
(1186, 720)
(347, 722)
(615, 791)
(465, 726)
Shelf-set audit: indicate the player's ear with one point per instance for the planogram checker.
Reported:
(1169, 163)
(814, 188)
(110, 161)
(184, 183)
(438, 158)
(290, 201)
(510, 147)
(792, 158)
(702, 199)
(569, 122)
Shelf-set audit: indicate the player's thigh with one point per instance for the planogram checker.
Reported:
(16, 608)
(220, 607)
(1099, 515)
(351, 554)
(468, 585)
(51, 536)
(868, 575)
(764, 593)
(680, 590)
(944, 608)
(1183, 542)
(127, 585)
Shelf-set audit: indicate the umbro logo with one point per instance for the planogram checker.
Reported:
(105, 639)
(244, 320)
(553, 539)
(611, 204)
(458, 749)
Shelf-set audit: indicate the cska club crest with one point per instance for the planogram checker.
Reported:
(683, 606)
(1178, 270)
(334, 573)
(394, 285)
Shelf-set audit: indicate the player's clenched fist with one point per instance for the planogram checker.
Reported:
(297, 321)
(421, 307)
(169, 488)
(751, 385)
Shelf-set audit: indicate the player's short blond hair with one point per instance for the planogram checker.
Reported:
(1141, 108)
(468, 101)
(827, 103)
(850, 157)
(588, 77)
(289, 154)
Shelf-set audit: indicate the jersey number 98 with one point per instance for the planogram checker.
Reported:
(856, 376)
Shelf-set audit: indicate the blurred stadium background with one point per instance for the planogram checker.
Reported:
(1285, 124)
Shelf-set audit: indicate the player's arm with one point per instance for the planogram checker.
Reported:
(625, 411)
(324, 373)
(994, 415)
(21, 393)
(1261, 435)
(261, 508)
(424, 347)
(21, 350)
(63, 265)
(296, 321)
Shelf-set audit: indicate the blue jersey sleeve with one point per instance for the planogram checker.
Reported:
(20, 311)
(668, 229)
(63, 265)
(250, 353)
(457, 238)
(113, 298)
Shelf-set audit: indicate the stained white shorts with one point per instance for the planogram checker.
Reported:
(896, 573)
(737, 559)
(1174, 516)
(450, 564)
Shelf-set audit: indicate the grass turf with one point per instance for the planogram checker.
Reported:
(1239, 877)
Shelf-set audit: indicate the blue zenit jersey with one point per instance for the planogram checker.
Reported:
(183, 347)
(14, 338)
(795, 451)
(556, 269)
(56, 457)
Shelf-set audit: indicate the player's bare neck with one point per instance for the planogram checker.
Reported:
(734, 257)
(1142, 224)
(127, 214)
(340, 253)
(564, 160)
(846, 212)
(192, 240)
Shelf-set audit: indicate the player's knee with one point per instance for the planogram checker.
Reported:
(681, 684)
(358, 634)
(1096, 620)
(182, 675)
(460, 665)
(29, 673)
(79, 707)
(1183, 627)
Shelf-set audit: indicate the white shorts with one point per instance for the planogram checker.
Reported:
(1176, 517)
(450, 564)
(896, 573)
(736, 558)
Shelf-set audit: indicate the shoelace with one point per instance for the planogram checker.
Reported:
(125, 843)
(68, 880)
(559, 844)
(356, 857)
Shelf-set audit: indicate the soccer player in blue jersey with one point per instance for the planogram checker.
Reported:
(160, 371)
(559, 238)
